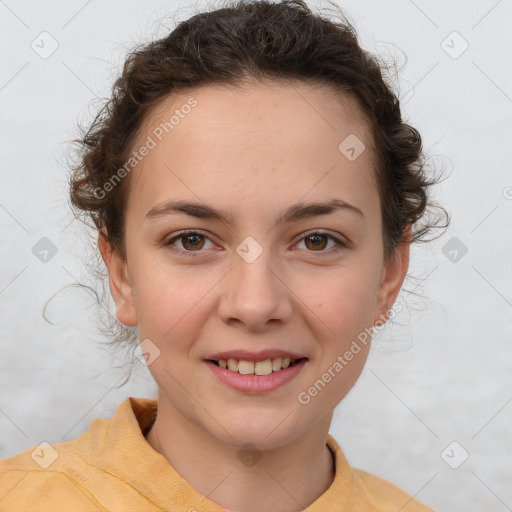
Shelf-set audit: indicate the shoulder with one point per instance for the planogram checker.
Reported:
(70, 482)
(387, 495)
(96, 471)
(33, 478)
(369, 491)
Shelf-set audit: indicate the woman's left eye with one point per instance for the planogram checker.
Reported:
(193, 241)
(318, 240)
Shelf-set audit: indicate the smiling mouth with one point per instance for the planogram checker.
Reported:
(266, 367)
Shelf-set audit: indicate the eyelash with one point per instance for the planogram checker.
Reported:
(168, 243)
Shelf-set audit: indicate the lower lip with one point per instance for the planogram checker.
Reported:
(255, 384)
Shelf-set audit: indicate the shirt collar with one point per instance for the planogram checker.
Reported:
(118, 445)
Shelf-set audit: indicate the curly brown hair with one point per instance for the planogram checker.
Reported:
(254, 40)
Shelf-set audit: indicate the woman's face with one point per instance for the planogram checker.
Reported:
(253, 277)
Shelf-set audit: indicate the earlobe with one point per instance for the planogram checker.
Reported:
(393, 275)
(119, 282)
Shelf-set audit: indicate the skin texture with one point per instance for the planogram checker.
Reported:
(252, 153)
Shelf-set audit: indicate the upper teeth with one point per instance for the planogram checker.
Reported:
(259, 368)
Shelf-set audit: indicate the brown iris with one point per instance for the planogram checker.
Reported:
(197, 241)
(316, 240)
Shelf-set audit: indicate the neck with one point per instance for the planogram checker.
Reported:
(290, 477)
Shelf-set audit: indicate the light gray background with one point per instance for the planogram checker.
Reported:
(440, 373)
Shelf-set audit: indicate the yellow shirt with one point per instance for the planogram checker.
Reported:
(111, 467)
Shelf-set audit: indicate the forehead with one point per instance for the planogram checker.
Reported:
(257, 139)
(270, 107)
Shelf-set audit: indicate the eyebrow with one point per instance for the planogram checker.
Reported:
(294, 213)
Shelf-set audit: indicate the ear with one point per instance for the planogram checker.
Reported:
(393, 275)
(120, 285)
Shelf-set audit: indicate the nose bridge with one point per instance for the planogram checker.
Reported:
(254, 271)
(256, 293)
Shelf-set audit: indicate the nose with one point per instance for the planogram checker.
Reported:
(255, 294)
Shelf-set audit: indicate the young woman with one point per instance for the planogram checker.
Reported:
(255, 192)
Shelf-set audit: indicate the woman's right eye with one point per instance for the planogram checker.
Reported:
(190, 241)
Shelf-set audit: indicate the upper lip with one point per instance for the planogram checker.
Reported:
(247, 355)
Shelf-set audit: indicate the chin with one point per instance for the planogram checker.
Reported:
(265, 433)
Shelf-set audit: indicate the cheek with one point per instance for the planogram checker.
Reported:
(343, 316)
(343, 299)
(169, 300)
